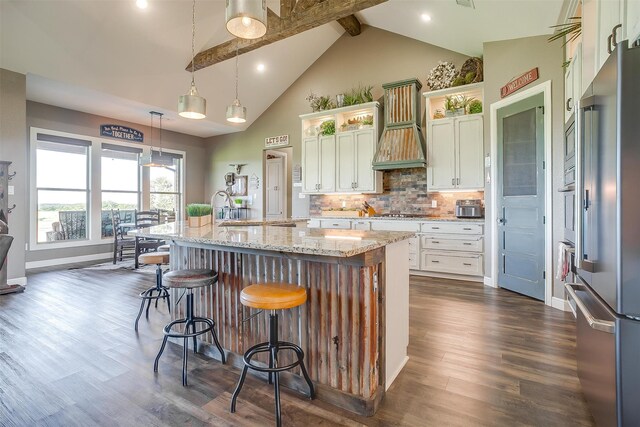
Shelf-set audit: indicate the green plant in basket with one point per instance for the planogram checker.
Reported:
(198, 209)
(328, 127)
(475, 107)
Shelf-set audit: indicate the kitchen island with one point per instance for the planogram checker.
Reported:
(354, 327)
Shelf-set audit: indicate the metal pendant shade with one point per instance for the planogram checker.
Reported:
(236, 113)
(192, 105)
(155, 160)
(246, 19)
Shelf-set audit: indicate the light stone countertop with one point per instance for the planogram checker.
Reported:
(386, 218)
(268, 237)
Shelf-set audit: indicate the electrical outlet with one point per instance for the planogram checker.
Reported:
(301, 196)
(12, 190)
(434, 203)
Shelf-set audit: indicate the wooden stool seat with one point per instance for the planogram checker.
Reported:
(154, 258)
(190, 279)
(273, 296)
(164, 248)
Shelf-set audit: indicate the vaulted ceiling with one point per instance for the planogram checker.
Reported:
(108, 57)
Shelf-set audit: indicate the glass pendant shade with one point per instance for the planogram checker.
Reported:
(236, 113)
(192, 105)
(246, 19)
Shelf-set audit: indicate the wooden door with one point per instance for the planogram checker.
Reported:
(310, 164)
(365, 149)
(469, 153)
(327, 164)
(440, 155)
(274, 188)
(345, 147)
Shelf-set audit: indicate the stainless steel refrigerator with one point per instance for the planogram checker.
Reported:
(607, 295)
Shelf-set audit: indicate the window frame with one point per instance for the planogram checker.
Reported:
(94, 188)
(180, 192)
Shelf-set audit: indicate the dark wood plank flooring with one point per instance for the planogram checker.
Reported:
(478, 357)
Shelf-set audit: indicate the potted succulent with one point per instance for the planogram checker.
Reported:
(453, 106)
(475, 107)
(328, 127)
(239, 202)
(199, 214)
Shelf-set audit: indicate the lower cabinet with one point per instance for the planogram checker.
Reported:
(445, 247)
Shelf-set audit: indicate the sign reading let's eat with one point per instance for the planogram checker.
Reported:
(519, 82)
(276, 141)
(121, 132)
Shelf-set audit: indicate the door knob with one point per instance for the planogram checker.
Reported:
(501, 221)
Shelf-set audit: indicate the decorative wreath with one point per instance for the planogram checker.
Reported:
(471, 70)
(442, 75)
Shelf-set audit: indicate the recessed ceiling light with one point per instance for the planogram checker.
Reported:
(260, 67)
(142, 4)
(425, 17)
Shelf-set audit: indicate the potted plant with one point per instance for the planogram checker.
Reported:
(199, 214)
(328, 127)
(239, 202)
(453, 106)
(475, 107)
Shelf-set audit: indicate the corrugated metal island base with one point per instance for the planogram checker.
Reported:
(354, 325)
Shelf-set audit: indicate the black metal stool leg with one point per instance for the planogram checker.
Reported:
(300, 354)
(270, 366)
(184, 361)
(168, 298)
(139, 313)
(236, 392)
(276, 385)
(164, 343)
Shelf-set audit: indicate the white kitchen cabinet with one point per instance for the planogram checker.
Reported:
(568, 92)
(361, 225)
(318, 163)
(631, 22)
(573, 83)
(455, 153)
(609, 14)
(341, 163)
(355, 151)
(341, 224)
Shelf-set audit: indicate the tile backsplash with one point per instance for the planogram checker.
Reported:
(405, 190)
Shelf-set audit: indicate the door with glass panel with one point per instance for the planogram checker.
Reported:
(520, 200)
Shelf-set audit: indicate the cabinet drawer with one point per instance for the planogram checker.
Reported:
(335, 223)
(469, 264)
(453, 243)
(361, 225)
(414, 261)
(313, 223)
(451, 227)
(395, 226)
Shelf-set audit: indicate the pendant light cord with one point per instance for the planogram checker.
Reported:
(193, 41)
(237, 41)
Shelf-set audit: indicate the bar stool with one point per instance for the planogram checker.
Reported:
(159, 259)
(273, 296)
(189, 280)
(164, 248)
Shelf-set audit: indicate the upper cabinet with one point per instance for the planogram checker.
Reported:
(337, 150)
(455, 139)
(631, 23)
(573, 83)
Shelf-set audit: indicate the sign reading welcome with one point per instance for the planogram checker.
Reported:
(121, 132)
(276, 141)
(519, 82)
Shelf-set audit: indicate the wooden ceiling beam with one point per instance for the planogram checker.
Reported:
(351, 24)
(306, 14)
(286, 7)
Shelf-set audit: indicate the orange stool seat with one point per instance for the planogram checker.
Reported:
(154, 258)
(273, 296)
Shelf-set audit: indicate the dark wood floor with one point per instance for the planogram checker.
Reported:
(479, 356)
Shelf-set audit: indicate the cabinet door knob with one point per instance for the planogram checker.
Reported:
(453, 181)
(613, 41)
(457, 181)
(569, 104)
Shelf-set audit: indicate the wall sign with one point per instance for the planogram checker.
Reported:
(121, 132)
(276, 141)
(519, 82)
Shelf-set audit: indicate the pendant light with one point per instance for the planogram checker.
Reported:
(236, 113)
(151, 160)
(246, 19)
(192, 105)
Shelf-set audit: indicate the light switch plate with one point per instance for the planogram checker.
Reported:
(301, 196)
(487, 161)
(12, 190)
(434, 203)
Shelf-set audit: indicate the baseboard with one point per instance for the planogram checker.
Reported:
(488, 281)
(393, 377)
(70, 260)
(446, 276)
(560, 304)
(22, 281)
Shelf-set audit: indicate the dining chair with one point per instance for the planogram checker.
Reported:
(145, 219)
(121, 242)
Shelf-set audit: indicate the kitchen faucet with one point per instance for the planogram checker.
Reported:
(227, 199)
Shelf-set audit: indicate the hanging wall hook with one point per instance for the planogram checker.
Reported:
(11, 175)
(9, 210)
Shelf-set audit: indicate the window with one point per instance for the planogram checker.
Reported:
(120, 182)
(75, 181)
(62, 188)
(165, 185)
